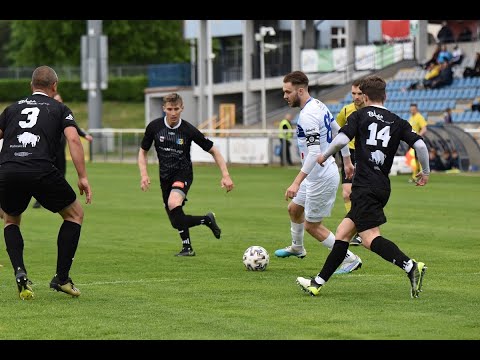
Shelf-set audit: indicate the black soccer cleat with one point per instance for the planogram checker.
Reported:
(186, 252)
(66, 286)
(415, 276)
(212, 224)
(25, 291)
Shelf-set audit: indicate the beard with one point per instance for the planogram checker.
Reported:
(296, 102)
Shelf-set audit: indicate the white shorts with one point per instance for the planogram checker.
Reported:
(317, 197)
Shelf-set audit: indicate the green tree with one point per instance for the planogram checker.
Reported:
(130, 42)
(145, 42)
(4, 36)
(36, 42)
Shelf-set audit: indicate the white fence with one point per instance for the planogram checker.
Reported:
(241, 146)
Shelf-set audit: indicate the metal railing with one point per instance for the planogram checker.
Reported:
(122, 145)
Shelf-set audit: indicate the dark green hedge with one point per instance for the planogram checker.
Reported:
(127, 89)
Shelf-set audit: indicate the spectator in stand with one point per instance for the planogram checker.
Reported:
(445, 34)
(444, 78)
(444, 55)
(465, 35)
(457, 56)
(447, 116)
(433, 59)
(475, 71)
(433, 72)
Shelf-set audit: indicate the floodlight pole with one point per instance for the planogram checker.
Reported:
(260, 37)
(94, 30)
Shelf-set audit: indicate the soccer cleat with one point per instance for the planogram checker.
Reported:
(356, 240)
(186, 252)
(288, 251)
(66, 286)
(212, 224)
(25, 291)
(416, 278)
(348, 266)
(310, 286)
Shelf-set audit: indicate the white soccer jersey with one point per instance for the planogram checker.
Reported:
(314, 135)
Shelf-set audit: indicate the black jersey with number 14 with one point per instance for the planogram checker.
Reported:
(377, 133)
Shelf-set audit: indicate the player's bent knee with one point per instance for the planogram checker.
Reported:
(73, 212)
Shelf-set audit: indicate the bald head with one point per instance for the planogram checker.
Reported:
(45, 79)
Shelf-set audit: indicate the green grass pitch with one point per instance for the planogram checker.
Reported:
(133, 287)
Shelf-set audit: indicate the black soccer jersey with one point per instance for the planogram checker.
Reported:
(173, 145)
(377, 133)
(32, 128)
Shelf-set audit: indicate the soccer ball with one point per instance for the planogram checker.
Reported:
(256, 258)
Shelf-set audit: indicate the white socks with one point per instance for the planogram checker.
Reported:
(297, 231)
(330, 241)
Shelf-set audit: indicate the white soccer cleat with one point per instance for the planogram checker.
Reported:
(347, 266)
(289, 251)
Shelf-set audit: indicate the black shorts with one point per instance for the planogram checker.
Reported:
(352, 157)
(367, 207)
(50, 188)
(180, 183)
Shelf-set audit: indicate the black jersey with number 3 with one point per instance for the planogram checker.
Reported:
(377, 133)
(32, 128)
(173, 145)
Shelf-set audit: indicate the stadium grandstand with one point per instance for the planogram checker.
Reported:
(460, 96)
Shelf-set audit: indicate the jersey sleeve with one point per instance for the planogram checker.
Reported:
(408, 134)
(67, 116)
(350, 127)
(200, 139)
(3, 117)
(341, 117)
(147, 140)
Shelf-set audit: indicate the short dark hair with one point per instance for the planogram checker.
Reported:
(297, 78)
(43, 77)
(374, 87)
(414, 104)
(357, 82)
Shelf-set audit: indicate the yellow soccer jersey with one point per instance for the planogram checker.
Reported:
(418, 122)
(342, 119)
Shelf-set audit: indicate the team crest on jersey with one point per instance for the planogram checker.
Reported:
(28, 138)
(378, 157)
(180, 141)
(161, 138)
(313, 139)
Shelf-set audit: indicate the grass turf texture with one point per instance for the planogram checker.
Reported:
(133, 287)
